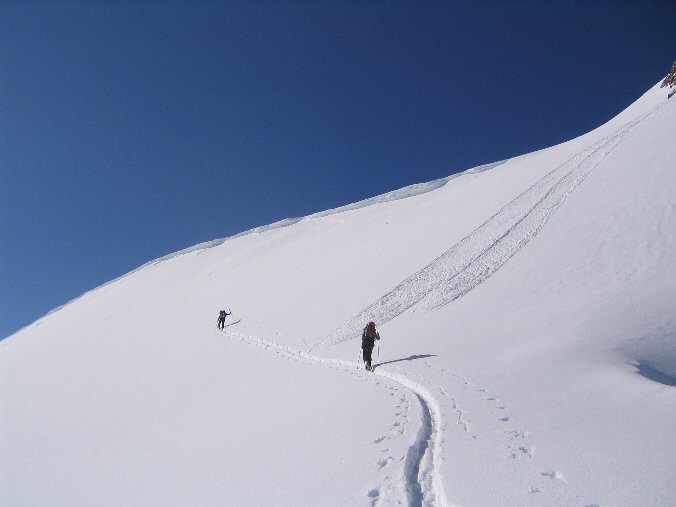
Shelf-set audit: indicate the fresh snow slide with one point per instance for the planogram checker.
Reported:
(480, 254)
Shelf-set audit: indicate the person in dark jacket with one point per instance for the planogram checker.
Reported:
(221, 319)
(368, 341)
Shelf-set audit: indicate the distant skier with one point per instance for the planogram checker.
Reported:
(368, 341)
(221, 319)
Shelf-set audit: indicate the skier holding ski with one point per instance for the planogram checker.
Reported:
(221, 319)
(368, 341)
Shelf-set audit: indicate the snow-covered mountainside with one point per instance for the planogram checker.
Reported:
(528, 352)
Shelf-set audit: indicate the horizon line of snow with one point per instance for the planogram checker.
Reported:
(394, 195)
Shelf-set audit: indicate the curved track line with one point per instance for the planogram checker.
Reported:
(423, 482)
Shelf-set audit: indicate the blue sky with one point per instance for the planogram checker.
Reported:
(129, 130)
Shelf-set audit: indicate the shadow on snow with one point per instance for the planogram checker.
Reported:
(409, 358)
(655, 375)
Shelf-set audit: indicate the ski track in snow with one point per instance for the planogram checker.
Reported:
(422, 480)
(481, 253)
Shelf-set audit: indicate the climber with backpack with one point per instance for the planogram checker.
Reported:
(221, 319)
(368, 341)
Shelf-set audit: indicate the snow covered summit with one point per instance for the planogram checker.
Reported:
(528, 352)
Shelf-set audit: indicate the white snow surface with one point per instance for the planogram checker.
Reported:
(528, 352)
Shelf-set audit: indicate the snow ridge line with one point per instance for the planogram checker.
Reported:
(402, 193)
(482, 252)
(424, 485)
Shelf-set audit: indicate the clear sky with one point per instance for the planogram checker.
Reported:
(129, 130)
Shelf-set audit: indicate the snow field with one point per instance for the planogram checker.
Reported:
(531, 363)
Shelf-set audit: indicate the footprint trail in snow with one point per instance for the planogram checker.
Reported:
(422, 484)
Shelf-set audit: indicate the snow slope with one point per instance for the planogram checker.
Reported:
(528, 353)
